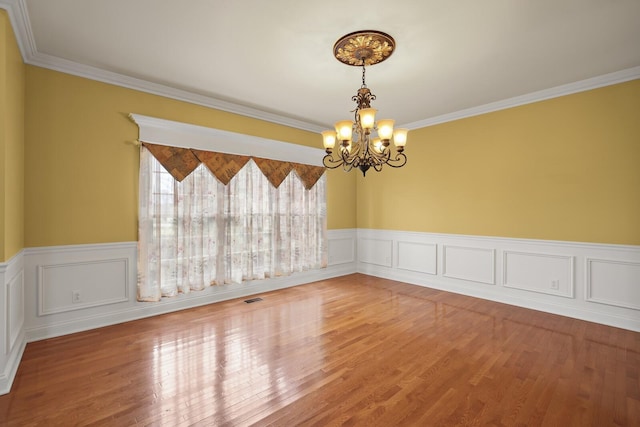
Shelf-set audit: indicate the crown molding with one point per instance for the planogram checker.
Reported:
(94, 73)
(554, 92)
(17, 10)
(18, 14)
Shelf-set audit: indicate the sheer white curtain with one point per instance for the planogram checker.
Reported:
(199, 232)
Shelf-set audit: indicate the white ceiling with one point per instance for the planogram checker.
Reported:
(276, 56)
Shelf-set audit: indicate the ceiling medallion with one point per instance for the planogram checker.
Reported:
(371, 46)
(358, 145)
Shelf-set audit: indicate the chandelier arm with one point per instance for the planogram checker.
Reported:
(355, 151)
(355, 161)
(345, 159)
(398, 161)
(349, 161)
(380, 157)
(330, 163)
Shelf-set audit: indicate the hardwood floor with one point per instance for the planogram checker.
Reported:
(351, 351)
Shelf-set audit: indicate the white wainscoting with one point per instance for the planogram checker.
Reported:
(539, 272)
(375, 251)
(77, 285)
(613, 282)
(594, 282)
(417, 256)
(12, 316)
(341, 247)
(103, 279)
(15, 310)
(469, 263)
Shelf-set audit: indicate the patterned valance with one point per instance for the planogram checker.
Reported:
(180, 162)
(223, 166)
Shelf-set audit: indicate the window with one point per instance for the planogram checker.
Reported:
(199, 232)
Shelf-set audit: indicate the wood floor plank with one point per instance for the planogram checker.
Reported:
(350, 351)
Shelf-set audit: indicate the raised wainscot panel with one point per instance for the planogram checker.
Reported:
(420, 257)
(73, 286)
(374, 251)
(468, 263)
(341, 250)
(15, 310)
(539, 272)
(613, 282)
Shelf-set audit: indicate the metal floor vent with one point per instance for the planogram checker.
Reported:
(249, 301)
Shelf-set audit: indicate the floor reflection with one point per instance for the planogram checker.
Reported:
(240, 359)
(353, 350)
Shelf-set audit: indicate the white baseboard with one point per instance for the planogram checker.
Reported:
(594, 282)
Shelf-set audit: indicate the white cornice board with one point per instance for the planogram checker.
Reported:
(177, 134)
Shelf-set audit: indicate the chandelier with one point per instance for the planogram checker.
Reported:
(358, 147)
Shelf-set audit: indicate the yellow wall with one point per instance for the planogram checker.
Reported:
(341, 199)
(12, 99)
(82, 170)
(562, 169)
